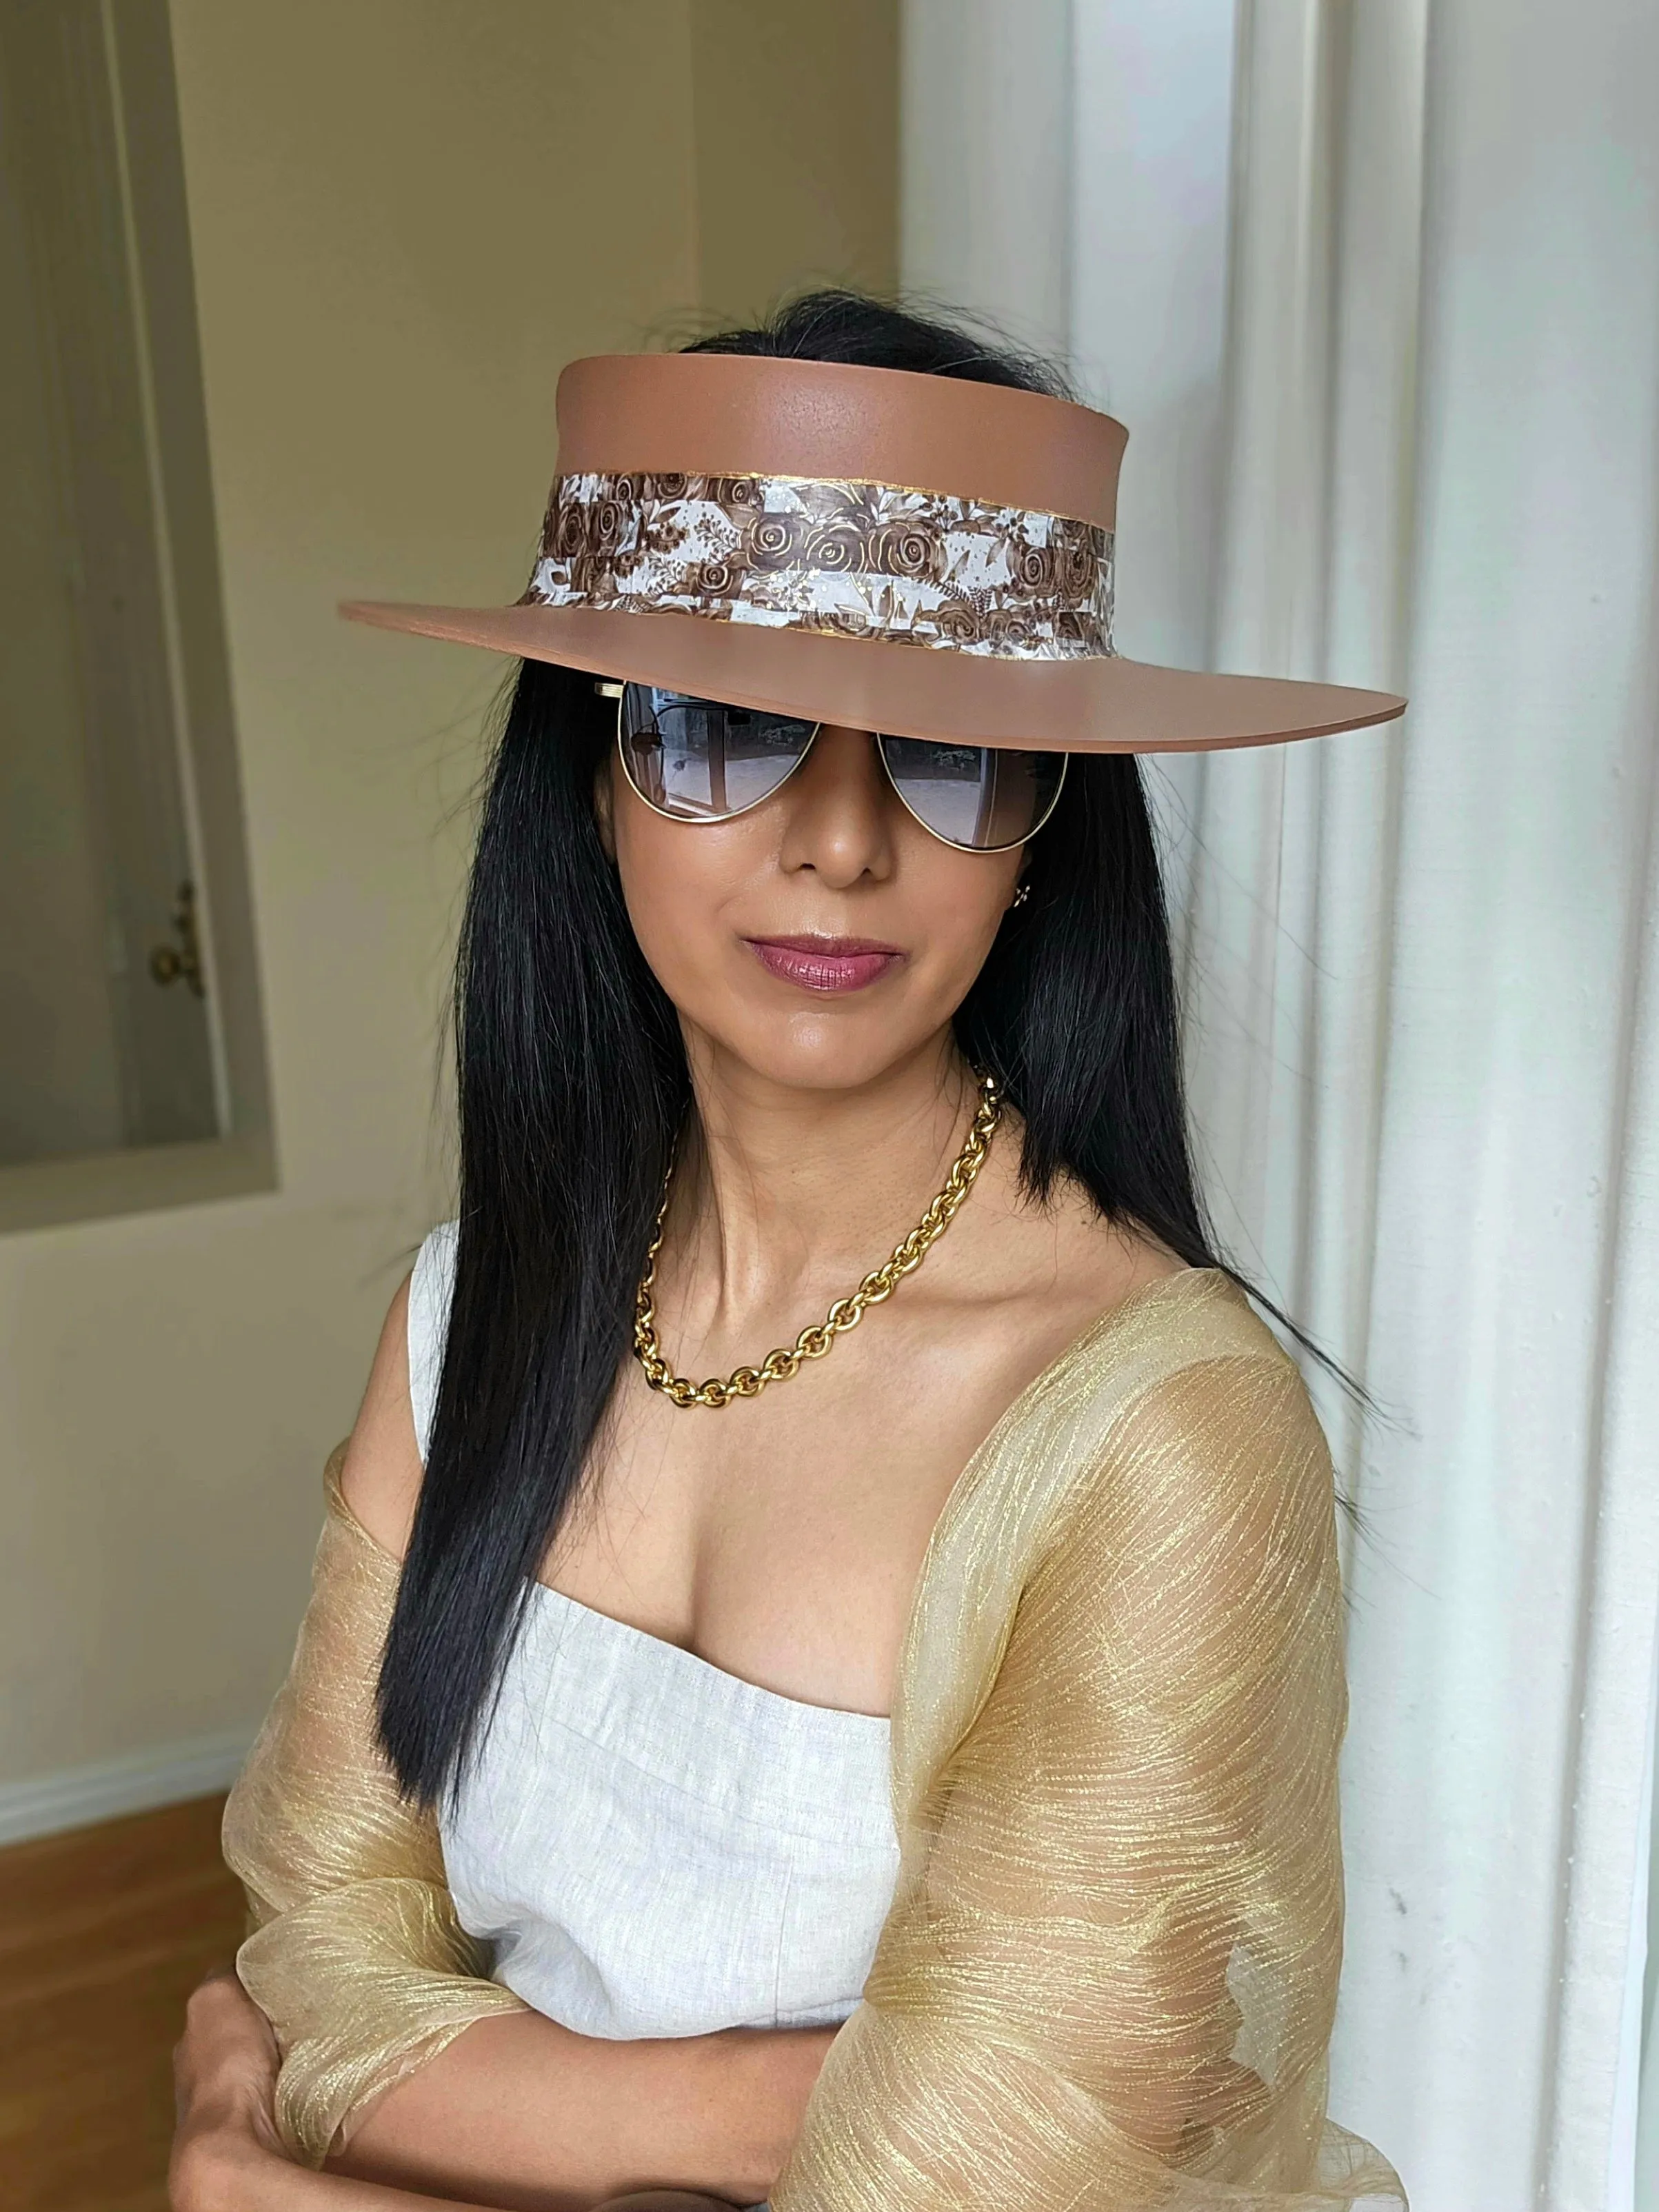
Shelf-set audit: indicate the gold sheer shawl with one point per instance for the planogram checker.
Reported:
(1107, 1976)
(354, 1951)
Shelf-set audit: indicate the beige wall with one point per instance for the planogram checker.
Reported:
(406, 215)
(796, 146)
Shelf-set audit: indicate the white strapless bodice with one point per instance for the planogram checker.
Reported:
(653, 1846)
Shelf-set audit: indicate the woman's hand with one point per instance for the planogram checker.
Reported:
(226, 2152)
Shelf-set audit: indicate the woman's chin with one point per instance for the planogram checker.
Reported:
(818, 1050)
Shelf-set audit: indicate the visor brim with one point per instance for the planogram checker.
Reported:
(1101, 705)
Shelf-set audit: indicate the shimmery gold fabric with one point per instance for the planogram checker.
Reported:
(355, 1954)
(1108, 1976)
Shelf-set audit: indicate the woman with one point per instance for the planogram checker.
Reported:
(899, 1770)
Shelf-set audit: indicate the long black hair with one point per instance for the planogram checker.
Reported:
(573, 1086)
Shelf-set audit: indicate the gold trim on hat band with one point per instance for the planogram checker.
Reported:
(854, 559)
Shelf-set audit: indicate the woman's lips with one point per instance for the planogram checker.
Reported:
(825, 963)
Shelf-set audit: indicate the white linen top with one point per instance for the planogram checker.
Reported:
(652, 1846)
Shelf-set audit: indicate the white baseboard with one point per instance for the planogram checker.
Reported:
(44, 1804)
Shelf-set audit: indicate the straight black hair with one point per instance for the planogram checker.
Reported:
(572, 1087)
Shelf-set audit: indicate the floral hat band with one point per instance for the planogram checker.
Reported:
(851, 559)
(785, 534)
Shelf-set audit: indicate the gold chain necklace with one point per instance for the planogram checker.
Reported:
(813, 1343)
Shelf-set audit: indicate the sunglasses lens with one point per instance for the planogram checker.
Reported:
(981, 797)
(700, 760)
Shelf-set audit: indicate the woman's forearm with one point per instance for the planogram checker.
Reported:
(231, 2173)
(521, 2113)
(226, 2173)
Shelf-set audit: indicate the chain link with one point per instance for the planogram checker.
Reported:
(846, 1313)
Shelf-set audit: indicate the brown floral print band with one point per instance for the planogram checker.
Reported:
(859, 560)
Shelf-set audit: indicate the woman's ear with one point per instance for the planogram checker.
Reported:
(604, 802)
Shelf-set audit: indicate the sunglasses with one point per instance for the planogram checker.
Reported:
(700, 760)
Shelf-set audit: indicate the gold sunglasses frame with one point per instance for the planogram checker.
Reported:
(609, 690)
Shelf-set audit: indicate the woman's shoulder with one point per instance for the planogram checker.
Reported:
(1179, 1382)
(1171, 1321)
(1191, 1401)
(379, 1476)
(1180, 1358)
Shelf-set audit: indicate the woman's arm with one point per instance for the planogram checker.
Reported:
(226, 2157)
(553, 2122)
(355, 1954)
(517, 2103)
(1111, 1981)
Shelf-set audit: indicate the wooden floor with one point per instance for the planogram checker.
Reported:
(103, 1933)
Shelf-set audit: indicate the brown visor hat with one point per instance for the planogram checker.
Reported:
(915, 555)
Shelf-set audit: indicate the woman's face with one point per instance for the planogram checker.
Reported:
(822, 937)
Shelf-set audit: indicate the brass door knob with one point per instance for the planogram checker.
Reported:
(172, 964)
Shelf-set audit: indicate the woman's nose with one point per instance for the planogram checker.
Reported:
(839, 821)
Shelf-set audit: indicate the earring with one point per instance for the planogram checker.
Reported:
(1019, 896)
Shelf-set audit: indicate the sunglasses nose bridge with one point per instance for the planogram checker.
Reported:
(883, 781)
(895, 785)
(839, 824)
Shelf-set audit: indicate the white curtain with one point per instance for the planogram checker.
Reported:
(1375, 286)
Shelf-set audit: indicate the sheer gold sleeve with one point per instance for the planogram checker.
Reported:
(1109, 1972)
(356, 1955)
